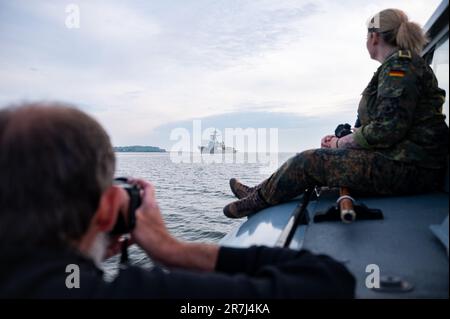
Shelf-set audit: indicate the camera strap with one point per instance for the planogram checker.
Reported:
(124, 254)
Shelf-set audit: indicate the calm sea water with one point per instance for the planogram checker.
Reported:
(191, 195)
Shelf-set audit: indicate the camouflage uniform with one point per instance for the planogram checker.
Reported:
(402, 139)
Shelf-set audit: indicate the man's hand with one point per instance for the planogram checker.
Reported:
(115, 245)
(327, 141)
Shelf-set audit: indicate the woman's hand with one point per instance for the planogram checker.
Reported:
(334, 142)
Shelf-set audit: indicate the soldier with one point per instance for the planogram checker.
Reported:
(400, 143)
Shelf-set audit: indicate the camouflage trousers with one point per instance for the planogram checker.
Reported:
(363, 172)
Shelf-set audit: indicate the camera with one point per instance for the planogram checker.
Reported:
(342, 130)
(125, 225)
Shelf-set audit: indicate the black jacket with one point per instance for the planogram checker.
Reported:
(256, 272)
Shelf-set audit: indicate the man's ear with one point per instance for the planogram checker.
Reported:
(108, 209)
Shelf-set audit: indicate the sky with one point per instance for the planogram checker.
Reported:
(143, 68)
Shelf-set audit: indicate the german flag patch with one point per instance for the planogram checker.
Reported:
(397, 73)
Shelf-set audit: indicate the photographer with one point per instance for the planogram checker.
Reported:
(59, 205)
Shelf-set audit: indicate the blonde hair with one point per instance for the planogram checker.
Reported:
(395, 29)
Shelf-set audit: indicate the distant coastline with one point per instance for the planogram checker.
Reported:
(138, 149)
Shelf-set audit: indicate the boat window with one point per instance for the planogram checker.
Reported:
(440, 67)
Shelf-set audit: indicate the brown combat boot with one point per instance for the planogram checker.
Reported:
(240, 190)
(248, 205)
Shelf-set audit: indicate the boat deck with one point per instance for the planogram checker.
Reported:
(402, 244)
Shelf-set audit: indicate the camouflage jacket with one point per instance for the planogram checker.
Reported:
(400, 113)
